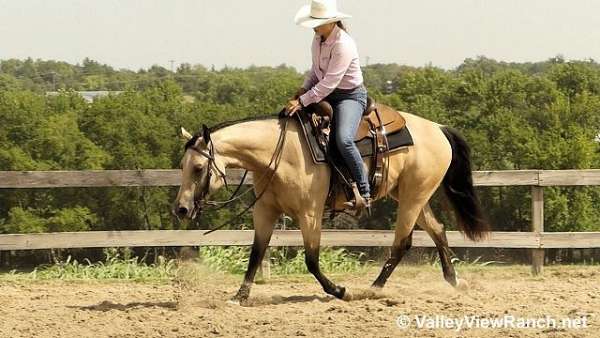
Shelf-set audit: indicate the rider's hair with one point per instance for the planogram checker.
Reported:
(341, 25)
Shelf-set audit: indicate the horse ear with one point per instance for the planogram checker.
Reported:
(185, 134)
(205, 134)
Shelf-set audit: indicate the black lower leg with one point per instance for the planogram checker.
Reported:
(312, 263)
(441, 242)
(395, 258)
(256, 257)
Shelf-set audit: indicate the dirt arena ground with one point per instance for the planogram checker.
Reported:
(194, 305)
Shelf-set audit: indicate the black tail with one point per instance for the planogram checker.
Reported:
(458, 184)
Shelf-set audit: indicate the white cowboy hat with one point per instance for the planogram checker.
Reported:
(318, 13)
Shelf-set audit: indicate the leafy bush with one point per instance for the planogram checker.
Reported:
(59, 220)
(542, 115)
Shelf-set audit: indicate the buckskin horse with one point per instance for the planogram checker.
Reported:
(287, 181)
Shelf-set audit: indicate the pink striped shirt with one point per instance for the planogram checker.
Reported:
(335, 64)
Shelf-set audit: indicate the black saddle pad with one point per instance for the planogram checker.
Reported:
(398, 139)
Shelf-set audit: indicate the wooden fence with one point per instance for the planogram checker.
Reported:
(537, 240)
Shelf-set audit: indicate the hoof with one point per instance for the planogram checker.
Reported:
(234, 301)
(339, 292)
(461, 285)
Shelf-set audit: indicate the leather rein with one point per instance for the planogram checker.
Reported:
(201, 191)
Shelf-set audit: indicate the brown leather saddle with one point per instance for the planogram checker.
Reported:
(381, 131)
(378, 116)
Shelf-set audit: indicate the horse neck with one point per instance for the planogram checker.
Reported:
(248, 145)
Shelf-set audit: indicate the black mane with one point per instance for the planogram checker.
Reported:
(245, 119)
(225, 124)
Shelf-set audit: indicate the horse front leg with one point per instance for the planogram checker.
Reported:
(406, 216)
(264, 218)
(311, 234)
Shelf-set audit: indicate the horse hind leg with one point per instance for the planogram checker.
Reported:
(436, 231)
(398, 251)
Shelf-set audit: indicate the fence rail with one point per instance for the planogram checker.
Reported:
(537, 240)
(154, 178)
(360, 238)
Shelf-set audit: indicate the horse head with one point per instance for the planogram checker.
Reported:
(202, 172)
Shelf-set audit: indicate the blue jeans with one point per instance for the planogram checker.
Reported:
(348, 107)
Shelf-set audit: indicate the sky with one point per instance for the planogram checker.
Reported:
(134, 34)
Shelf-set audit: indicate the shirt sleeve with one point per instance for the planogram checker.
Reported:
(310, 80)
(341, 59)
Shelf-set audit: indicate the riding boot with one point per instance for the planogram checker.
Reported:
(363, 205)
(360, 202)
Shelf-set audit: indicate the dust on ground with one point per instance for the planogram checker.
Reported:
(195, 304)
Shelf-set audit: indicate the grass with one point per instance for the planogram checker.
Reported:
(458, 263)
(119, 265)
(286, 263)
(331, 260)
(283, 261)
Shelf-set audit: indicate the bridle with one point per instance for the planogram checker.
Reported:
(202, 191)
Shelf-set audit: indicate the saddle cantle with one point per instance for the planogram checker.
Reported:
(382, 130)
(377, 116)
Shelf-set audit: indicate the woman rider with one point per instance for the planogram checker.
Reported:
(335, 76)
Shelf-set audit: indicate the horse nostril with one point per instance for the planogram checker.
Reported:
(182, 211)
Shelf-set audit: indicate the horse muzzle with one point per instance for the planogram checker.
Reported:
(181, 211)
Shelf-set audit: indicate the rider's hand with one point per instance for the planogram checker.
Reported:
(292, 107)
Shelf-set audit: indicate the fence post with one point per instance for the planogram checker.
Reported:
(537, 226)
(264, 269)
(265, 265)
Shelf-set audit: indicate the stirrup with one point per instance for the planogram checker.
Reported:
(367, 206)
(359, 203)
(364, 204)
